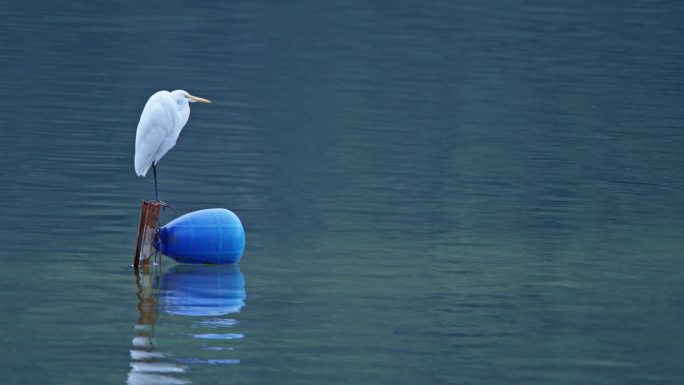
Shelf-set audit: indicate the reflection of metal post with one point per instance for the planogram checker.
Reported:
(145, 291)
(148, 366)
(147, 228)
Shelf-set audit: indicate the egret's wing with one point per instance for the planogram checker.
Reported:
(157, 124)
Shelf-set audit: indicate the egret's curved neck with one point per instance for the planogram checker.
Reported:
(183, 110)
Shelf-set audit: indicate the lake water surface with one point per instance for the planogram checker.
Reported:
(435, 192)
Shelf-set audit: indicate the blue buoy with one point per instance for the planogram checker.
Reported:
(204, 236)
(202, 290)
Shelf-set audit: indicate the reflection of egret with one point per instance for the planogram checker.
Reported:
(161, 121)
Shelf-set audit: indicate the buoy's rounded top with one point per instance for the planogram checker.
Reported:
(204, 236)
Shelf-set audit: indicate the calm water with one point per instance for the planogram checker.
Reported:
(435, 192)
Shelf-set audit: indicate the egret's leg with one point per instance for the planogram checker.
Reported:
(156, 191)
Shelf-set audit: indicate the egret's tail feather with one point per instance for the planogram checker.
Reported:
(142, 171)
(142, 166)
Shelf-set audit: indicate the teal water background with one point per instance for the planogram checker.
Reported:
(435, 192)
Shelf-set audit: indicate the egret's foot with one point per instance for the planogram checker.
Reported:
(164, 205)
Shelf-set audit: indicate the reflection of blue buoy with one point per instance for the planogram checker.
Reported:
(202, 290)
(204, 236)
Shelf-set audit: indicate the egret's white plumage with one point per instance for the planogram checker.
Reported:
(161, 121)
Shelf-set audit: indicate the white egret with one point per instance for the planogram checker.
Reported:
(161, 121)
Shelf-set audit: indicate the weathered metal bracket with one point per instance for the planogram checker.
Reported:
(147, 229)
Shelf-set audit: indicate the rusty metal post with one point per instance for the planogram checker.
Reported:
(147, 227)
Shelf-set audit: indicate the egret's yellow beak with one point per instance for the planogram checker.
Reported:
(197, 99)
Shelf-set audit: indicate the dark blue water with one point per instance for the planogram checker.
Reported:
(433, 192)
